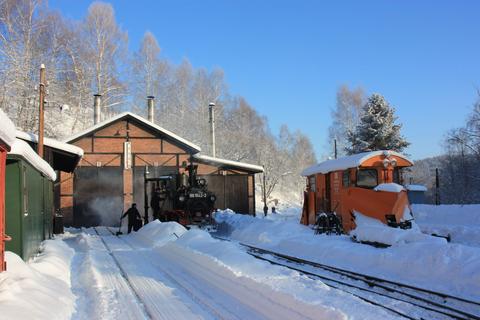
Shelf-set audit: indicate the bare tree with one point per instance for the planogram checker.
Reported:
(346, 116)
(106, 46)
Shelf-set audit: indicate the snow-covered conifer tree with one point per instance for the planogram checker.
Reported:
(377, 129)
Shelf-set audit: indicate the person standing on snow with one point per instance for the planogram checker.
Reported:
(133, 216)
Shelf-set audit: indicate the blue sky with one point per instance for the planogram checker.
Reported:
(287, 58)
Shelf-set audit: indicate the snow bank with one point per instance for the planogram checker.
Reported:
(331, 303)
(389, 187)
(448, 268)
(7, 129)
(41, 289)
(373, 230)
(461, 222)
(158, 233)
(22, 149)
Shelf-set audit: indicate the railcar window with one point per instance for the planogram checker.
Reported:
(397, 176)
(312, 184)
(367, 178)
(346, 178)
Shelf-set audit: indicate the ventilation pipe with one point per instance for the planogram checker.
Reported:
(151, 108)
(211, 113)
(97, 104)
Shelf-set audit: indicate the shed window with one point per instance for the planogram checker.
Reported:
(312, 184)
(346, 178)
(367, 178)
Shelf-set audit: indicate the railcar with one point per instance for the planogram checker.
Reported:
(368, 183)
(29, 200)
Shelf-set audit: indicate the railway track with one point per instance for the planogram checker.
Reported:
(405, 300)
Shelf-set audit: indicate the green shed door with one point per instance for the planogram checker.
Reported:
(97, 196)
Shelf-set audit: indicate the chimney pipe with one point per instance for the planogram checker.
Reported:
(97, 104)
(151, 108)
(211, 113)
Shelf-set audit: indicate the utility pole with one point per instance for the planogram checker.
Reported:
(265, 208)
(437, 187)
(41, 91)
(211, 113)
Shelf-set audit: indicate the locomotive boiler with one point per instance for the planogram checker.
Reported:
(183, 198)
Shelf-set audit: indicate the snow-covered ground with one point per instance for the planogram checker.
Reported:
(461, 222)
(164, 272)
(435, 265)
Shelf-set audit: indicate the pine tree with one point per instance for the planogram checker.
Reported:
(377, 129)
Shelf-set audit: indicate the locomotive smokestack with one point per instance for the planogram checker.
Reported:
(211, 113)
(97, 104)
(151, 108)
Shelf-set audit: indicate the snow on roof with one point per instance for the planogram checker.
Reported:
(344, 163)
(70, 148)
(143, 120)
(416, 187)
(237, 164)
(389, 187)
(7, 129)
(23, 149)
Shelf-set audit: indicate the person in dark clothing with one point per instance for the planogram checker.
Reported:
(155, 204)
(133, 216)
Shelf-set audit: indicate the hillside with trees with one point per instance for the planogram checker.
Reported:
(91, 56)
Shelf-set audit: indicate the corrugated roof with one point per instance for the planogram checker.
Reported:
(123, 115)
(344, 163)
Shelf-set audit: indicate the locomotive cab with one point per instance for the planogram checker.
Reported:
(368, 183)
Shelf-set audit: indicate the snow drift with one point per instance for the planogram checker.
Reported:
(460, 222)
(41, 289)
(439, 266)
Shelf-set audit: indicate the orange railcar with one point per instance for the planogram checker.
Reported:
(368, 183)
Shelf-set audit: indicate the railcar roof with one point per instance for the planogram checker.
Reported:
(123, 115)
(228, 163)
(7, 129)
(22, 149)
(344, 163)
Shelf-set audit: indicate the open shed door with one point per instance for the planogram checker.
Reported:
(98, 196)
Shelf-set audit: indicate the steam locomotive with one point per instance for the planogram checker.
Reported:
(182, 198)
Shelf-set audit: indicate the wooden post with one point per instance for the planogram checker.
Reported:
(41, 91)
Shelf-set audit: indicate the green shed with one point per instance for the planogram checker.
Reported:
(28, 200)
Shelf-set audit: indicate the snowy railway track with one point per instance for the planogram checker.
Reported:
(420, 303)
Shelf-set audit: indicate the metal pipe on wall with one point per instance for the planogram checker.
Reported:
(211, 113)
(151, 108)
(97, 103)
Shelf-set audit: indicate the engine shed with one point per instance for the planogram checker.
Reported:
(117, 153)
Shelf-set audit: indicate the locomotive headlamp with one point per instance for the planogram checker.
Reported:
(181, 198)
(386, 162)
(213, 198)
(393, 161)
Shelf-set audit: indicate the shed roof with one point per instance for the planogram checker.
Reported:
(352, 161)
(22, 149)
(191, 146)
(228, 164)
(65, 157)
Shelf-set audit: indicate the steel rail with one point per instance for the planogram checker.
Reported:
(371, 282)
